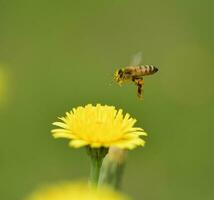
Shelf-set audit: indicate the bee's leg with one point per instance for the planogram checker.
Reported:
(140, 83)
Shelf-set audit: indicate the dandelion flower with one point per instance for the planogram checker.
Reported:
(99, 126)
(74, 191)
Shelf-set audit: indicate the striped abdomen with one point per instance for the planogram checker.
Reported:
(142, 70)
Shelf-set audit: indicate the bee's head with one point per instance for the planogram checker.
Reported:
(118, 76)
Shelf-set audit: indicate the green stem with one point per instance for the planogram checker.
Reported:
(97, 155)
(95, 170)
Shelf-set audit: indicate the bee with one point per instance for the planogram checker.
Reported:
(134, 74)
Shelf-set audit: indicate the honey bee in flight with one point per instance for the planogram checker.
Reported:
(134, 74)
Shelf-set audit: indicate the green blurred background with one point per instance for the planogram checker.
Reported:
(55, 55)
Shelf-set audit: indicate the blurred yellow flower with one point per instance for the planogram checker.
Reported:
(99, 126)
(75, 191)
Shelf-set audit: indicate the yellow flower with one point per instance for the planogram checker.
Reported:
(99, 126)
(75, 191)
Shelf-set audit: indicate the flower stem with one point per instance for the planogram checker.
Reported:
(95, 171)
(97, 155)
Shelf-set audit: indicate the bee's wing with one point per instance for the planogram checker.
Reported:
(136, 59)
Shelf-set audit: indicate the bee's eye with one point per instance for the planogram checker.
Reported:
(120, 72)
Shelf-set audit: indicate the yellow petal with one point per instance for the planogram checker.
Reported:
(60, 124)
(77, 143)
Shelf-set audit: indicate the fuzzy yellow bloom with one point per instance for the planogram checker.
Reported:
(99, 126)
(75, 191)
